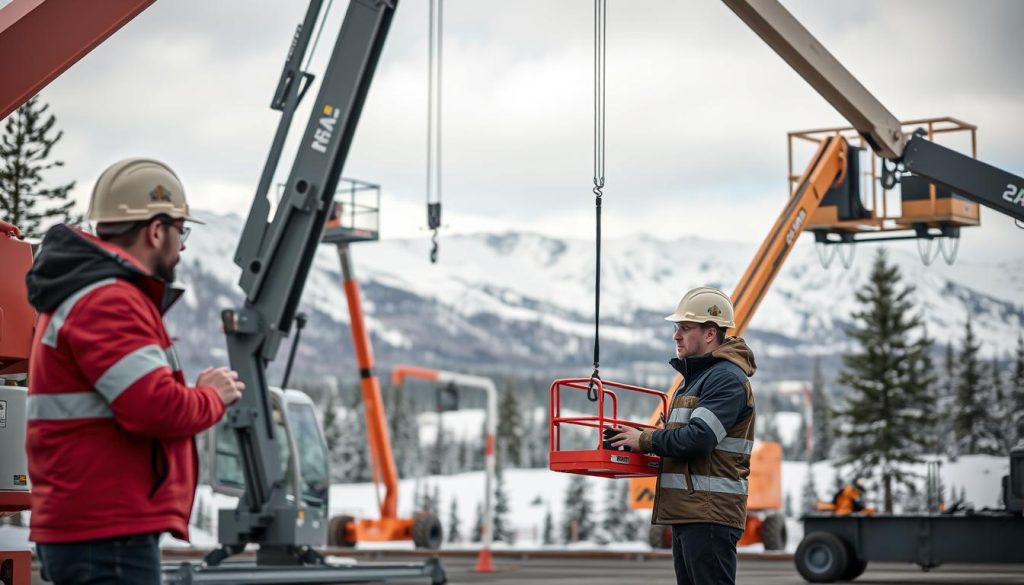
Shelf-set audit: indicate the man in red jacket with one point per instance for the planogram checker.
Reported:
(111, 421)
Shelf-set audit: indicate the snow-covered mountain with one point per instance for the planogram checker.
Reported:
(524, 303)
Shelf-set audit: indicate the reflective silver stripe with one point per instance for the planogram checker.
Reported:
(712, 420)
(705, 483)
(66, 406)
(172, 358)
(679, 415)
(736, 445)
(130, 368)
(57, 320)
(676, 481)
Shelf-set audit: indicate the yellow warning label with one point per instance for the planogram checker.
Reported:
(328, 110)
(20, 479)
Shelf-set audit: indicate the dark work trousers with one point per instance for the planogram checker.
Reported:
(127, 560)
(705, 554)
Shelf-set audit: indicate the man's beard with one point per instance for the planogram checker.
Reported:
(166, 271)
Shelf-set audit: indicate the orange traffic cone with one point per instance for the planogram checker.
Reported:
(483, 562)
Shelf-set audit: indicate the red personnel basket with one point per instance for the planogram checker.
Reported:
(599, 462)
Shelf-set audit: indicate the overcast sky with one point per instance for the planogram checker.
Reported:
(697, 110)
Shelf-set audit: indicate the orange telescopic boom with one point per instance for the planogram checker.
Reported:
(423, 529)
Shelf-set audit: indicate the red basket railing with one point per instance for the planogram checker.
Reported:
(599, 461)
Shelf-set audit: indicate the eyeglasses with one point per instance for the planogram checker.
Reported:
(684, 327)
(182, 229)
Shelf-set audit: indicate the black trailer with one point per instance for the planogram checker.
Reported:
(838, 548)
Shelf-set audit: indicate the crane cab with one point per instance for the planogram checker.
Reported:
(302, 450)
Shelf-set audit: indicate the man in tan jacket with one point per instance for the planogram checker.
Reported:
(706, 443)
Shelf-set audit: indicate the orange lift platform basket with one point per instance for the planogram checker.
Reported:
(602, 460)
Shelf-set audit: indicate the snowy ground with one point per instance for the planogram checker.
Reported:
(532, 492)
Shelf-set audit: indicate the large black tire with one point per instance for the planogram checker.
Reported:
(822, 557)
(426, 531)
(660, 537)
(773, 532)
(337, 531)
(854, 568)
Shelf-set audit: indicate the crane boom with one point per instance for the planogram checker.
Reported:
(40, 39)
(977, 181)
(812, 61)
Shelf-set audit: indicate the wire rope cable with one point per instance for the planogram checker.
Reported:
(600, 36)
(316, 38)
(433, 190)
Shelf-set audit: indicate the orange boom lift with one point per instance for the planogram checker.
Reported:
(354, 221)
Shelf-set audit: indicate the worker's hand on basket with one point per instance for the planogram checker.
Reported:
(628, 437)
(225, 381)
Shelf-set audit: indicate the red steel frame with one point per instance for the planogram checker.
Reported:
(599, 462)
(40, 39)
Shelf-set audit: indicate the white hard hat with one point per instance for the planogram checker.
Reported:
(704, 304)
(137, 189)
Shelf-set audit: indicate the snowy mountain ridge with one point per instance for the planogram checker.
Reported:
(518, 299)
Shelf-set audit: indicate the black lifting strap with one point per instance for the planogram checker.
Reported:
(600, 19)
(591, 390)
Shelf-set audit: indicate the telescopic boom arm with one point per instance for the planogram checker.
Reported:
(275, 259)
(975, 180)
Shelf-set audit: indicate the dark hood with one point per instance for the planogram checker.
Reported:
(734, 349)
(70, 259)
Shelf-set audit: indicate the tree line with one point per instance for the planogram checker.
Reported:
(900, 408)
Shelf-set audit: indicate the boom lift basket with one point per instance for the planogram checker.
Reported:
(601, 461)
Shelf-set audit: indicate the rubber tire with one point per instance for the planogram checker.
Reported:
(773, 532)
(822, 557)
(660, 537)
(426, 531)
(337, 535)
(854, 568)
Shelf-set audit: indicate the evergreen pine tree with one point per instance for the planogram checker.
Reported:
(548, 535)
(946, 438)
(350, 457)
(631, 529)
(437, 452)
(616, 512)
(510, 426)
(529, 444)
(921, 371)
(478, 524)
(970, 412)
(404, 432)
(454, 531)
(821, 416)
(1017, 391)
(432, 500)
(809, 495)
(884, 402)
(332, 434)
(766, 427)
(502, 523)
(25, 147)
(579, 511)
(418, 502)
(998, 435)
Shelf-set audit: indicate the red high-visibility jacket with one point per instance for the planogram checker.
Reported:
(111, 422)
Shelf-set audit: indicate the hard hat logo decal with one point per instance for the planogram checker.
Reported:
(714, 311)
(160, 194)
